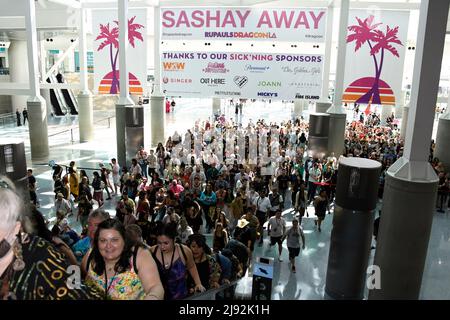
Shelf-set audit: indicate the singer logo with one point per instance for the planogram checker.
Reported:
(174, 66)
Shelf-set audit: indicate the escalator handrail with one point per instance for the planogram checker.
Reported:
(213, 291)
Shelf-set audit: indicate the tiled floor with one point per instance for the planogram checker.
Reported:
(309, 281)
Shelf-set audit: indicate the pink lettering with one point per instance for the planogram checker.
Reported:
(228, 19)
(183, 19)
(210, 18)
(283, 20)
(302, 20)
(168, 21)
(197, 15)
(316, 19)
(242, 18)
(264, 19)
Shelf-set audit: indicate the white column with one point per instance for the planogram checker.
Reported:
(298, 107)
(409, 197)
(442, 150)
(215, 106)
(386, 111)
(399, 106)
(340, 66)
(37, 110)
(322, 107)
(405, 113)
(158, 114)
(123, 48)
(124, 98)
(18, 70)
(85, 104)
(337, 113)
(158, 119)
(327, 61)
(157, 54)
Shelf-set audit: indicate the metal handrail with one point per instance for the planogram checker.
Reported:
(78, 127)
(213, 291)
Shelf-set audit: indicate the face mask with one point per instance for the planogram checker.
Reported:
(5, 247)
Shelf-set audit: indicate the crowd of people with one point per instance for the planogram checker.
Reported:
(218, 179)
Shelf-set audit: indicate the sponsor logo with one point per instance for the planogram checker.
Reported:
(269, 84)
(267, 94)
(256, 69)
(240, 81)
(212, 81)
(262, 35)
(227, 93)
(302, 96)
(216, 67)
(174, 66)
(176, 80)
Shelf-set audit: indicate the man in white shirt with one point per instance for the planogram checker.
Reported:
(262, 204)
(152, 163)
(277, 228)
(314, 176)
(62, 205)
(199, 174)
(115, 168)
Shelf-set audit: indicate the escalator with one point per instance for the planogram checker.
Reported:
(68, 96)
(57, 107)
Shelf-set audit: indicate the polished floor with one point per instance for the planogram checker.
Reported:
(309, 281)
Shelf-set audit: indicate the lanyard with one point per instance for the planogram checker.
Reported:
(107, 287)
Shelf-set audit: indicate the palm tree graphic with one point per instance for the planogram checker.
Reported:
(378, 42)
(110, 38)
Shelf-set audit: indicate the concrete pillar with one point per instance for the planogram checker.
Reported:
(318, 134)
(216, 106)
(411, 184)
(322, 107)
(386, 111)
(442, 150)
(85, 116)
(124, 99)
(18, 71)
(327, 59)
(398, 111)
(120, 133)
(351, 236)
(298, 107)
(405, 112)
(85, 104)
(158, 119)
(342, 45)
(37, 116)
(45, 94)
(157, 108)
(37, 110)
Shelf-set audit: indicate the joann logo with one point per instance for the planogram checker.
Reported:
(174, 66)
(240, 81)
(215, 67)
(269, 84)
(267, 94)
(212, 81)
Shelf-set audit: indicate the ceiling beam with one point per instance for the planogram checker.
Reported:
(384, 5)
